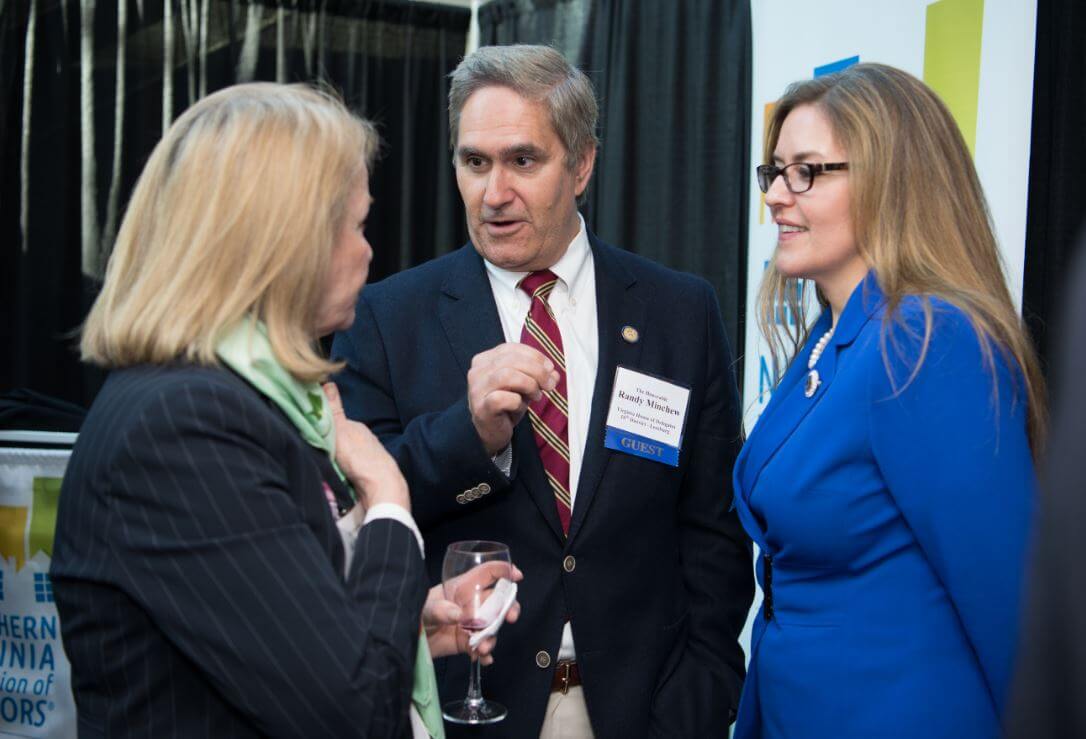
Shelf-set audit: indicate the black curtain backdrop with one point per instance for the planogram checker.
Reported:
(1057, 188)
(562, 24)
(74, 135)
(671, 180)
(673, 79)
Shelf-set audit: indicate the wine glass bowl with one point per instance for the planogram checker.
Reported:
(470, 575)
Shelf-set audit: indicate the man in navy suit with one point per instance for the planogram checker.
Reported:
(488, 373)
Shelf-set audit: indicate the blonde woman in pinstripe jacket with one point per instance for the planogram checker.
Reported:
(198, 566)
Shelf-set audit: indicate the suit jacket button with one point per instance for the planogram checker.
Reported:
(484, 488)
(542, 660)
(461, 499)
(569, 564)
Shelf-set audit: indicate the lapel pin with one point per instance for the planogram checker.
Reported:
(630, 334)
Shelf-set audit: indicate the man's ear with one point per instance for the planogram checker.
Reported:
(583, 172)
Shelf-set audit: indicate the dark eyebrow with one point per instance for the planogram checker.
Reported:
(464, 152)
(509, 152)
(523, 150)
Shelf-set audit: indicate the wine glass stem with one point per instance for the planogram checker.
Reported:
(475, 689)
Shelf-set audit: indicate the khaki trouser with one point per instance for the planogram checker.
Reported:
(567, 716)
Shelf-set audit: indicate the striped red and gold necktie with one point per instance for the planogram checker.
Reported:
(550, 414)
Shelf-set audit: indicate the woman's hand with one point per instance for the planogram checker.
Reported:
(441, 619)
(371, 470)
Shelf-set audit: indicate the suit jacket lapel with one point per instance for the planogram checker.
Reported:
(617, 305)
(470, 318)
(790, 405)
(785, 411)
(531, 473)
(467, 310)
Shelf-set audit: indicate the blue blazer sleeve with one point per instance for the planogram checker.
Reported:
(951, 443)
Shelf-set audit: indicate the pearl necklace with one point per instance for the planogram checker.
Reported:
(813, 380)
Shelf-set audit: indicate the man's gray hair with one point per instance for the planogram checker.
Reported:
(537, 73)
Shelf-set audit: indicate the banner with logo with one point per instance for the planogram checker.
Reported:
(35, 676)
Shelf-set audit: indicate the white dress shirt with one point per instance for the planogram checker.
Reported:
(573, 302)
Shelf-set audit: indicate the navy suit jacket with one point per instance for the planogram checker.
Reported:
(198, 573)
(655, 575)
(892, 510)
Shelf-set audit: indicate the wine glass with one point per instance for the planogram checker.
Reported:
(470, 573)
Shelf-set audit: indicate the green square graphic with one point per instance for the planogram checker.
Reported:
(952, 59)
(43, 517)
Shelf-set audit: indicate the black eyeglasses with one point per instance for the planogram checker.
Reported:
(799, 179)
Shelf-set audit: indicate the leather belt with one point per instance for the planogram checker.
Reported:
(566, 676)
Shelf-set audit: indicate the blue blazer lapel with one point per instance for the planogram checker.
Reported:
(470, 319)
(786, 409)
(617, 305)
(866, 302)
(789, 406)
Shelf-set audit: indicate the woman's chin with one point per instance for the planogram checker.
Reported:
(326, 328)
(792, 271)
(346, 324)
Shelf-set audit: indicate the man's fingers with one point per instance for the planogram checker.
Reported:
(530, 383)
(518, 381)
(533, 363)
(528, 360)
(501, 383)
(503, 401)
(509, 350)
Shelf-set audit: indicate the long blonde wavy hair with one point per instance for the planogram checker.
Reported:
(235, 213)
(918, 213)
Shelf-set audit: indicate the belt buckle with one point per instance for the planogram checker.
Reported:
(566, 667)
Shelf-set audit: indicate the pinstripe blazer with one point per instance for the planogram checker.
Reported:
(197, 573)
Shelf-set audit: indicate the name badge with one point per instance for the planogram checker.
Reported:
(646, 416)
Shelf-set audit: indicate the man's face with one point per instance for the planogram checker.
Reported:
(519, 194)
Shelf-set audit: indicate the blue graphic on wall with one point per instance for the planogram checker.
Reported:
(836, 66)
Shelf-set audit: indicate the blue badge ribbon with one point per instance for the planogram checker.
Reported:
(641, 446)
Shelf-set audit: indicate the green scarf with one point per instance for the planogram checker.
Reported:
(246, 350)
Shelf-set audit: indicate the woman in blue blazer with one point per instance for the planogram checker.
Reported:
(889, 483)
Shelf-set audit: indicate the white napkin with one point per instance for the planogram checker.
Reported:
(493, 610)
